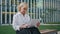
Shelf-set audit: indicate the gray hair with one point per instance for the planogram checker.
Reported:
(21, 5)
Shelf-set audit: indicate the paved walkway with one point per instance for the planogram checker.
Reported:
(58, 32)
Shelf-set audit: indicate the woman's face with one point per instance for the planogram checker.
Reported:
(23, 9)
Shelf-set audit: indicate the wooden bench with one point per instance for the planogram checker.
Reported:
(48, 31)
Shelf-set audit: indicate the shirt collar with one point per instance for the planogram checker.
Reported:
(20, 13)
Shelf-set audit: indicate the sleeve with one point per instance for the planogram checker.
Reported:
(15, 23)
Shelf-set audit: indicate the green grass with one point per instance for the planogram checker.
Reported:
(6, 30)
(9, 29)
(42, 27)
(53, 23)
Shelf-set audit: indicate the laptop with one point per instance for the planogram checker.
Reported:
(34, 22)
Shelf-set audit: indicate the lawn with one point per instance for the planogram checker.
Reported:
(53, 23)
(9, 29)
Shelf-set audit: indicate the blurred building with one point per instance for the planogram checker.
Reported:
(45, 10)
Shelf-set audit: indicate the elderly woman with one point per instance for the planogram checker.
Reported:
(21, 21)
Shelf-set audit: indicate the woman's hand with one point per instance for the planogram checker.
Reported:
(24, 26)
(38, 24)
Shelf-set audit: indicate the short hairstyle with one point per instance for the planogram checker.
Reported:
(21, 5)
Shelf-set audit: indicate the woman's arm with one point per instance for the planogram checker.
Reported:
(15, 23)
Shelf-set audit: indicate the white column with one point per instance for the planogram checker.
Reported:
(5, 11)
(28, 6)
(14, 7)
(1, 12)
(34, 10)
(31, 8)
(17, 4)
(9, 11)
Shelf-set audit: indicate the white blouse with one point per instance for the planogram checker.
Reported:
(19, 19)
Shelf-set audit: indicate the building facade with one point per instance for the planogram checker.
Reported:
(44, 10)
